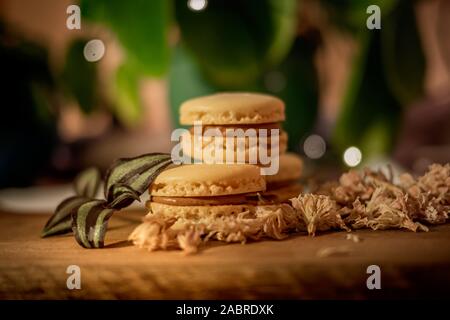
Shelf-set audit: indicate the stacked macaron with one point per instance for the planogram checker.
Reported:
(224, 189)
(226, 201)
(224, 111)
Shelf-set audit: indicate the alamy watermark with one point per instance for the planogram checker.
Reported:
(229, 145)
(74, 19)
(74, 279)
(374, 280)
(374, 20)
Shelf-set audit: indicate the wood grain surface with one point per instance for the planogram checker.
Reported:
(412, 265)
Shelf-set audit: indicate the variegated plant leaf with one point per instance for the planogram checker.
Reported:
(63, 226)
(90, 221)
(137, 173)
(86, 185)
(88, 218)
(61, 216)
(122, 196)
(88, 182)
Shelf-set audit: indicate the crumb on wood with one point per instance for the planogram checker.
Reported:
(353, 237)
(333, 252)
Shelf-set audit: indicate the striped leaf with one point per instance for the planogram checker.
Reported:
(136, 173)
(122, 196)
(87, 183)
(90, 221)
(86, 186)
(57, 223)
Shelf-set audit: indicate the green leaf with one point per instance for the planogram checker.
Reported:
(87, 183)
(62, 227)
(235, 41)
(136, 173)
(284, 26)
(86, 186)
(403, 57)
(89, 223)
(58, 221)
(79, 77)
(369, 104)
(141, 26)
(126, 98)
(122, 196)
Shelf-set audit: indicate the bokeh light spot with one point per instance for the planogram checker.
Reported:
(352, 156)
(197, 5)
(314, 146)
(94, 50)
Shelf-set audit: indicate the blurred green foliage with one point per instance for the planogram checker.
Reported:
(370, 113)
(388, 75)
(79, 77)
(300, 90)
(234, 42)
(186, 81)
(239, 45)
(403, 59)
(233, 45)
(141, 26)
(125, 94)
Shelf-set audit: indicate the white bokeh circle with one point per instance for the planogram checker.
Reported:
(352, 156)
(197, 5)
(94, 50)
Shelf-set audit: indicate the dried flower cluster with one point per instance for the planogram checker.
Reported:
(159, 232)
(367, 199)
(370, 199)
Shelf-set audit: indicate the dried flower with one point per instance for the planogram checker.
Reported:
(160, 232)
(318, 212)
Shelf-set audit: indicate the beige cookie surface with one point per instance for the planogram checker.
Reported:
(197, 180)
(195, 212)
(232, 108)
(290, 168)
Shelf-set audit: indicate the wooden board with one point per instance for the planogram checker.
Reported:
(412, 265)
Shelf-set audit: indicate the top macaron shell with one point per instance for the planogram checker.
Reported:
(232, 108)
(203, 180)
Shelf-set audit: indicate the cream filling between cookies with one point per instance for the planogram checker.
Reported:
(276, 193)
(238, 199)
